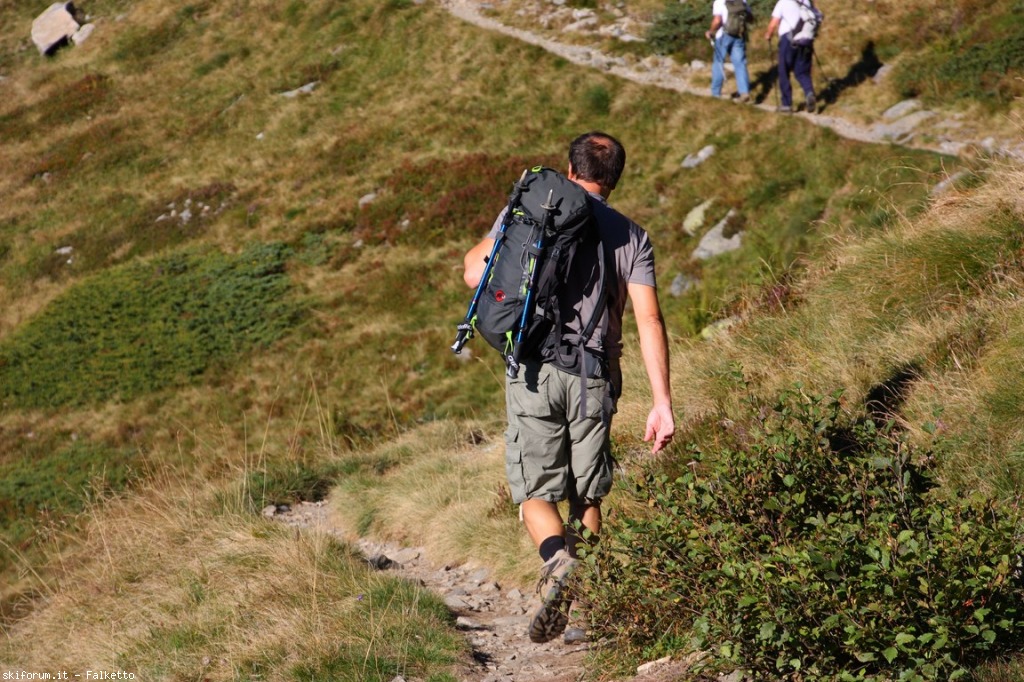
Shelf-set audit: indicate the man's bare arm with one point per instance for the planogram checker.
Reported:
(716, 23)
(654, 349)
(475, 261)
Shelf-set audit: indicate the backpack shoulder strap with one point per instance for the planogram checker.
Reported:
(602, 292)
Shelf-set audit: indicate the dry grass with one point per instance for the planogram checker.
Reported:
(446, 492)
(171, 583)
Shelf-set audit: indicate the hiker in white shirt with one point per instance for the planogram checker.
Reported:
(793, 59)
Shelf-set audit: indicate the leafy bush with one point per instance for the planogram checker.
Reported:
(680, 27)
(143, 327)
(679, 24)
(812, 549)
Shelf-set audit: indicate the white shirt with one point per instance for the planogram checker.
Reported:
(788, 14)
(718, 9)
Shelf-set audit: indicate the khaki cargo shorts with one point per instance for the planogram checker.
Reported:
(552, 452)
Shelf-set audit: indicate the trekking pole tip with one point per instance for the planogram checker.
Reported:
(547, 205)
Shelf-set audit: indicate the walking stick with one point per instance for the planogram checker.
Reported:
(464, 331)
(512, 360)
(821, 68)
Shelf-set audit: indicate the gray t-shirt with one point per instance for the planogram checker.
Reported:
(626, 244)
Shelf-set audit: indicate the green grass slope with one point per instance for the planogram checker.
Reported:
(197, 291)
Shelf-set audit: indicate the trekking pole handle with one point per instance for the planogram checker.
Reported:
(511, 366)
(464, 333)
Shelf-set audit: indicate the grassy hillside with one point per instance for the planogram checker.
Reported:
(202, 311)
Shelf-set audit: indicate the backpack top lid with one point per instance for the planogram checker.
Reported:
(806, 29)
(570, 202)
(736, 17)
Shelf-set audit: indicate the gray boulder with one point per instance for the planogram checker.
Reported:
(947, 184)
(695, 218)
(907, 106)
(681, 284)
(304, 90)
(54, 27)
(82, 34)
(716, 241)
(694, 160)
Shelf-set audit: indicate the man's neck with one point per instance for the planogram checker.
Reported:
(591, 187)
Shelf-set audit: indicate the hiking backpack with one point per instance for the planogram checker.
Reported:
(519, 303)
(806, 30)
(737, 15)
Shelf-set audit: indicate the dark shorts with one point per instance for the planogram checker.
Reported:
(552, 452)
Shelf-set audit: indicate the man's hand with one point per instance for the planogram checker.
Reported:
(660, 427)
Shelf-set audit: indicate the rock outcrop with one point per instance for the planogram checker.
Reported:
(54, 27)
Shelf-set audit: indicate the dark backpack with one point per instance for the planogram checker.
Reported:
(807, 28)
(521, 301)
(736, 22)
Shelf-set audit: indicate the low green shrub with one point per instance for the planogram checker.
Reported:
(678, 24)
(52, 481)
(146, 326)
(804, 547)
(679, 28)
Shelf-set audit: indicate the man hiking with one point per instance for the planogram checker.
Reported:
(553, 451)
(728, 36)
(794, 58)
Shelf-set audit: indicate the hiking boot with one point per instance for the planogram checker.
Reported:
(743, 99)
(811, 104)
(551, 618)
(785, 109)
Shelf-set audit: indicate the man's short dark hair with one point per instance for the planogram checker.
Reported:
(597, 157)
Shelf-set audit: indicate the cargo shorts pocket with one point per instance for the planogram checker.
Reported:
(598, 403)
(514, 471)
(528, 393)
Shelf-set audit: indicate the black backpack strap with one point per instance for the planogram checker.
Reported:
(587, 333)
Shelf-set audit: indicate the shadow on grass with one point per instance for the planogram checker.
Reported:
(761, 84)
(861, 71)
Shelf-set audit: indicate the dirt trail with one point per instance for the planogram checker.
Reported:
(932, 133)
(493, 617)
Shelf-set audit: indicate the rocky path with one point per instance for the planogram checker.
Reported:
(906, 124)
(493, 617)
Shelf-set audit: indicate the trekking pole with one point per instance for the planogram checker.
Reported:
(821, 68)
(513, 359)
(464, 330)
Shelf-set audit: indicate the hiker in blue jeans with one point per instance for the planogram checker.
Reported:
(730, 38)
(793, 59)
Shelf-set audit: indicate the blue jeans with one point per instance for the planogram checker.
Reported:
(736, 48)
(794, 59)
